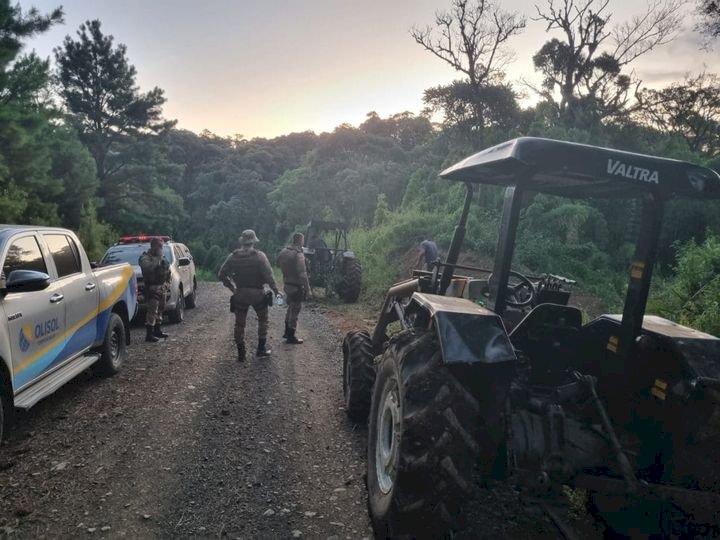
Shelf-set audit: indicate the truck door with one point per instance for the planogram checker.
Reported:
(36, 320)
(183, 271)
(80, 290)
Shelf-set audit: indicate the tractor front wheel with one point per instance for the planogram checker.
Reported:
(423, 441)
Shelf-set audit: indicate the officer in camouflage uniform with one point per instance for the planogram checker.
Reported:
(245, 272)
(156, 275)
(296, 284)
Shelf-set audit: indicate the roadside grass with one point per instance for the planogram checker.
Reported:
(202, 274)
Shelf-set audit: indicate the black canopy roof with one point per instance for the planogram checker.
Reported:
(582, 171)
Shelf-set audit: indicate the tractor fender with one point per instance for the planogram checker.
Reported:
(468, 333)
(348, 254)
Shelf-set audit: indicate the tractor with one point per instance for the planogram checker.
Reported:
(334, 268)
(497, 378)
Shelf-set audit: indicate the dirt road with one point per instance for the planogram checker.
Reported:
(188, 442)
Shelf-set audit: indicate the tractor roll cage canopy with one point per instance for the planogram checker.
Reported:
(581, 171)
(531, 165)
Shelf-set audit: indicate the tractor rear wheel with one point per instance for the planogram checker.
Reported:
(350, 282)
(358, 374)
(423, 441)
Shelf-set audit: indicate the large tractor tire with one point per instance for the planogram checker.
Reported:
(423, 441)
(350, 283)
(358, 374)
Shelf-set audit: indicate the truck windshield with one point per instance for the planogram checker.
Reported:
(131, 253)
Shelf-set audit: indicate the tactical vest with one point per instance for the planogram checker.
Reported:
(288, 262)
(153, 270)
(246, 270)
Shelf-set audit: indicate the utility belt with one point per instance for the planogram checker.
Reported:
(237, 305)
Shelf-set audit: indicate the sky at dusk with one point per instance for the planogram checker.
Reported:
(269, 67)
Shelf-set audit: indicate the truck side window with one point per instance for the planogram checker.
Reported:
(24, 254)
(65, 257)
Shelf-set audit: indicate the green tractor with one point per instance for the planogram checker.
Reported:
(334, 268)
(499, 377)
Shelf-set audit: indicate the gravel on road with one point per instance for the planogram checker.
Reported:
(188, 442)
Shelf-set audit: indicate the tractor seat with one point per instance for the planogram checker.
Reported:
(477, 289)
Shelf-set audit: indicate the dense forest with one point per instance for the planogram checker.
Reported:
(82, 146)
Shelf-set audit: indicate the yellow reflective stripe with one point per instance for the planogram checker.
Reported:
(613, 343)
(662, 385)
(105, 304)
(658, 393)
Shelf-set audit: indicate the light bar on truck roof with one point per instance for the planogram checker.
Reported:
(142, 238)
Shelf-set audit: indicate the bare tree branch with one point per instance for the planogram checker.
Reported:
(471, 38)
(587, 65)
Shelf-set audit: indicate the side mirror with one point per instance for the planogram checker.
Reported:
(26, 281)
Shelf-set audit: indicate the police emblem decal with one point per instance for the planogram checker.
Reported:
(26, 335)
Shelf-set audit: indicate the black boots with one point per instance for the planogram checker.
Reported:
(241, 352)
(158, 332)
(291, 338)
(285, 335)
(262, 350)
(150, 336)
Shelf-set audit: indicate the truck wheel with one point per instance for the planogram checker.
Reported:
(190, 301)
(114, 347)
(422, 442)
(358, 374)
(177, 315)
(350, 283)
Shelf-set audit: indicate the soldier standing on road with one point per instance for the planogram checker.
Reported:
(296, 284)
(156, 275)
(245, 272)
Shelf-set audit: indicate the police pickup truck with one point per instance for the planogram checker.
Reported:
(58, 316)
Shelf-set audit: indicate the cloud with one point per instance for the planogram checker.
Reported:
(661, 76)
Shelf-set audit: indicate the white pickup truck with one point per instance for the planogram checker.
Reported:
(58, 316)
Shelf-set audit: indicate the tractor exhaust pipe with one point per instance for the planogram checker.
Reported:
(456, 244)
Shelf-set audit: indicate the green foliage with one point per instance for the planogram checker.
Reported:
(692, 295)
(95, 235)
(115, 120)
(382, 211)
(213, 258)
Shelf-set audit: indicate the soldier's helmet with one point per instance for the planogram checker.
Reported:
(248, 237)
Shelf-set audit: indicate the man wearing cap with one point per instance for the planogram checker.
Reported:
(245, 272)
(295, 283)
(156, 275)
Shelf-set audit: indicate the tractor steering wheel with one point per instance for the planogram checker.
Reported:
(514, 289)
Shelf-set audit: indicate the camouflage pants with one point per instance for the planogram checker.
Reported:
(295, 296)
(155, 304)
(240, 303)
